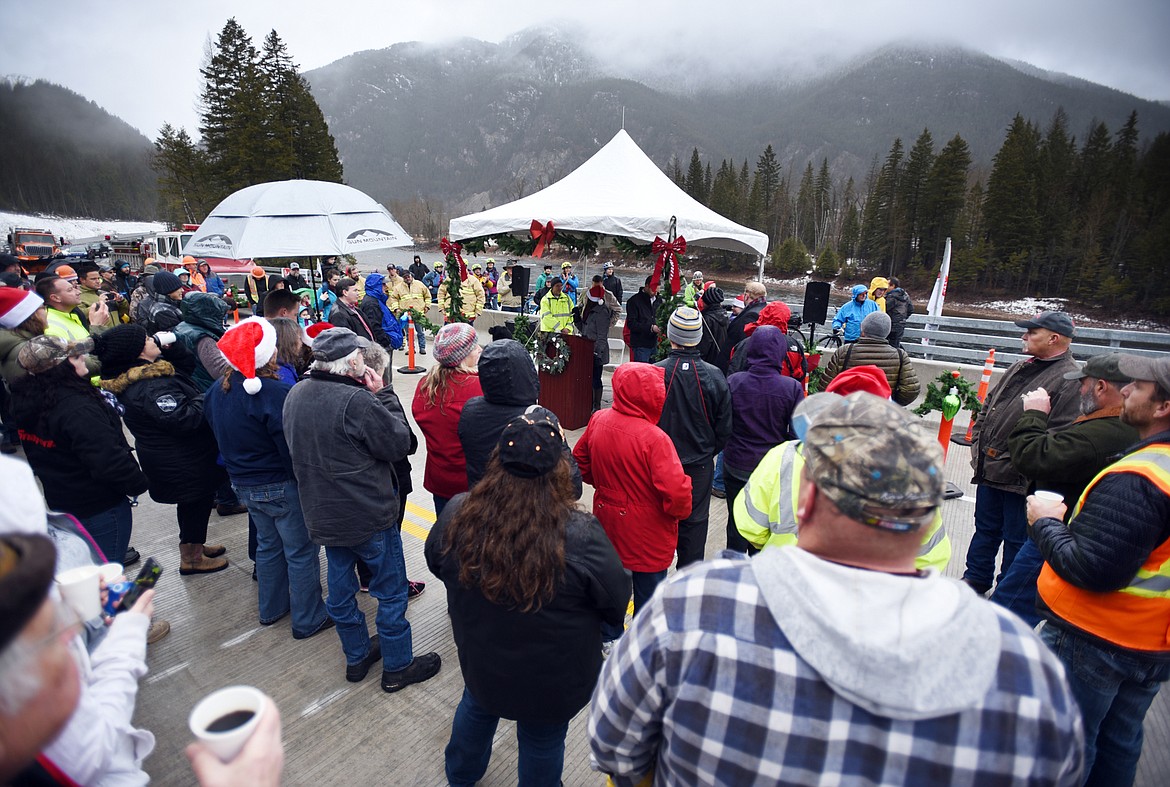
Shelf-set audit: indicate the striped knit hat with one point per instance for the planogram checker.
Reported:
(453, 343)
(685, 327)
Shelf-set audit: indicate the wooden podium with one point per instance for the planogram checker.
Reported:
(570, 394)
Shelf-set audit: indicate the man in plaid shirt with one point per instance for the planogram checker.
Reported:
(836, 661)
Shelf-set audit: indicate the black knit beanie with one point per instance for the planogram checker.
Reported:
(166, 282)
(119, 348)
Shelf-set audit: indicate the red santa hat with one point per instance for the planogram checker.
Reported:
(313, 331)
(248, 346)
(17, 305)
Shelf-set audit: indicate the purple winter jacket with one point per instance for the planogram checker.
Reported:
(762, 401)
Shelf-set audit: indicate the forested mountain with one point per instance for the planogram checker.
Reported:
(60, 153)
(475, 124)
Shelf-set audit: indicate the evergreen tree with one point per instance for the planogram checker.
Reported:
(913, 211)
(707, 183)
(234, 105)
(880, 220)
(806, 207)
(1054, 188)
(1010, 207)
(761, 211)
(942, 200)
(694, 183)
(182, 177)
(828, 264)
(791, 258)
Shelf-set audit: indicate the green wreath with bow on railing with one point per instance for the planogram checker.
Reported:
(523, 332)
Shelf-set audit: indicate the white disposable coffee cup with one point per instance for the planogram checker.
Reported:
(111, 571)
(219, 705)
(1052, 497)
(81, 590)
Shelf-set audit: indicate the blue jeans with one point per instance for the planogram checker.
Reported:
(287, 562)
(542, 747)
(717, 479)
(643, 354)
(111, 530)
(644, 584)
(383, 554)
(1017, 589)
(1114, 689)
(440, 504)
(1000, 517)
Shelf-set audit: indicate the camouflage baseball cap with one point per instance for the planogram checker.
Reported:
(876, 462)
(43, 353)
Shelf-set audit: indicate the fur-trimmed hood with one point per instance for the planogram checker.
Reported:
(148, 371)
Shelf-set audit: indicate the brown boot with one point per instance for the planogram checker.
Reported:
(214, 550)
(193, 560)
(158, 629)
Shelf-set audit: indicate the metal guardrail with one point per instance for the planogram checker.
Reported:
(967, 340)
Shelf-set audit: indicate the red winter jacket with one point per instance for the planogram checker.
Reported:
(641, 491)
(446, 469)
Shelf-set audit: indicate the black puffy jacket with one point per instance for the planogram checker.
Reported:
(164, 412)
(536, 666)
(697, 413)
(79, 452)
(510, 386)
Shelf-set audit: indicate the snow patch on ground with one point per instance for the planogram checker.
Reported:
(75, 229)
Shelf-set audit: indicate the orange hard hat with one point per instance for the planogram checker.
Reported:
(258, 272)
(66, 272)
(188, 260)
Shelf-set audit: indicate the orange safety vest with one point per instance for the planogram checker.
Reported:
(1136, 616)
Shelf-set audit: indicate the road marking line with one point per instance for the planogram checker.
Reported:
(239, 639)
(156, 677)
(414, 530)
(319, 705)
(425, 514)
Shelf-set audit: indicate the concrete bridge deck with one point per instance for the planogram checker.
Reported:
(339, 732)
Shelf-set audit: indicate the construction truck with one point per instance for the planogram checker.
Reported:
(34, 248)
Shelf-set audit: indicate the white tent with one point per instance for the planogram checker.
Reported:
(619, 192)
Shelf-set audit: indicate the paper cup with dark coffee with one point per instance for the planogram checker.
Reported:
(225, 719)
(81, 590)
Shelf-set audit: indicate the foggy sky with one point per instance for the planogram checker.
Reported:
(140, 60)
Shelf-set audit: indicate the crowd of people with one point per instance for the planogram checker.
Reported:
(886, 672)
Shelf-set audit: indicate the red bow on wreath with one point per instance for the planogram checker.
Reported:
(664, 250)
(448, 248)
(542, 234)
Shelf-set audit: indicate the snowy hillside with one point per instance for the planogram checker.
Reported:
(74, 229)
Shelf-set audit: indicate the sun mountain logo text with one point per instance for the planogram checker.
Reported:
(212, 242)
(368, 236)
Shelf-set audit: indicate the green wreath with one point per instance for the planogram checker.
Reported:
(937, 389)
(555, 365)
(421, 322)
(572, 242)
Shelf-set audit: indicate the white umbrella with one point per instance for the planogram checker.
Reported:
(296, 218)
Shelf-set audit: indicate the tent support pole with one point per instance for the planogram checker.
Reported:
(760, 267)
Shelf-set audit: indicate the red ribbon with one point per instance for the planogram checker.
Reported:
(542, 234)
(666, 250)
(448, 248)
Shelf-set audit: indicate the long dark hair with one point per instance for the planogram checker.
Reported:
(34, 396)
(509, 535)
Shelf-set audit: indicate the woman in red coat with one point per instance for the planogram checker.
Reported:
(640, 489)
(438, 402)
